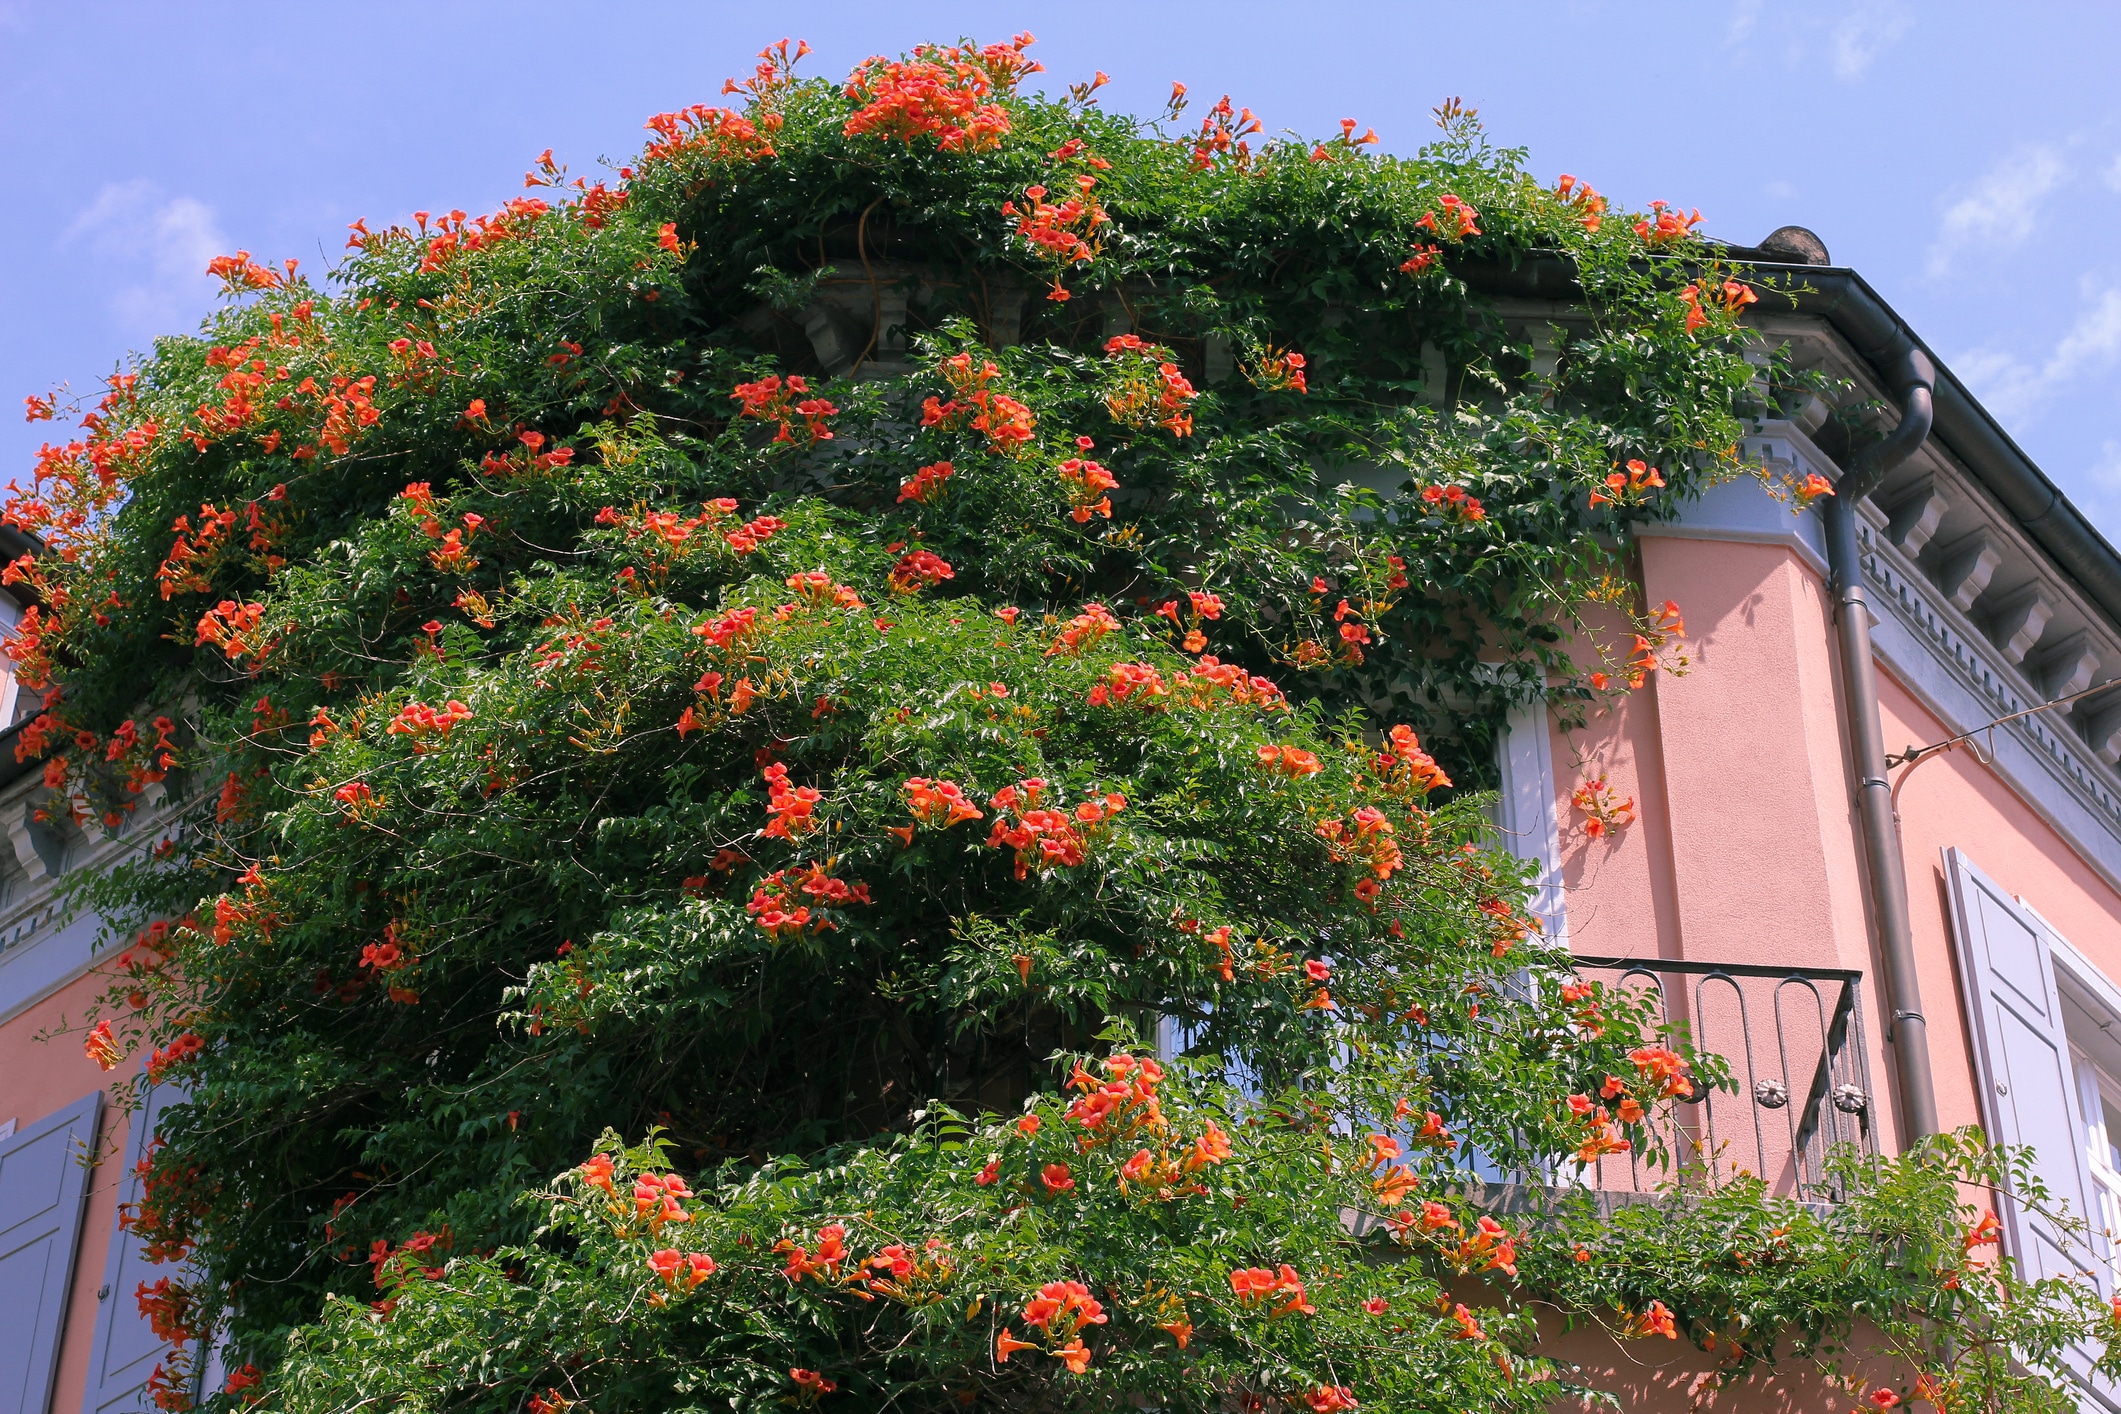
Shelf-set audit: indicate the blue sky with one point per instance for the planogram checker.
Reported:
(1966, 158)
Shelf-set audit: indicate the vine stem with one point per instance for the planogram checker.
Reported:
(876, 294)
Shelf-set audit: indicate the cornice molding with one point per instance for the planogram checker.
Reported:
(42, 946)
(1965, 680)
(1742, 510)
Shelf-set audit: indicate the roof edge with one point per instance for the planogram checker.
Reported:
(1846, 301)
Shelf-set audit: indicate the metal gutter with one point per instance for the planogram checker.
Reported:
(1912, 379)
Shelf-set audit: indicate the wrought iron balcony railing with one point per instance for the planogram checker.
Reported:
(1793, 1039)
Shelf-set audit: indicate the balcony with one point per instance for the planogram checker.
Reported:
(1792, 1038)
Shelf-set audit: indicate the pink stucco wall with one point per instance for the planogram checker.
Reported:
(1756, 806)
(1658, 1376)
(36, 1078)
(1743, 822)
(1670, 1375)
(1621, 893)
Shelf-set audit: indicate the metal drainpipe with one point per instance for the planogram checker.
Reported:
(1914, 381)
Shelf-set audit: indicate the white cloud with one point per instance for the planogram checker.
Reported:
(1866, 31)
(2107, 474)
(2000, 210)
(2011, 387)
(1745, 14)
(2113, 173)
(2002, 381)
(2093, 341)
(2101, 496)
(1780, 190)
(154, 251)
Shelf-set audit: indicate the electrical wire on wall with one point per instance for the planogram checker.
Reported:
(1916, 755)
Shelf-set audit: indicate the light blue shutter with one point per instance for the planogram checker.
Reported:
(43, 1190)
(2022, 1066)
(125, 1350)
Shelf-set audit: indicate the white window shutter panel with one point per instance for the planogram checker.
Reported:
(125, 1350)
(2022, 1067)
(43, 1192)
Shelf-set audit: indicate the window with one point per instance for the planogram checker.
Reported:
(1524, 810)
(2101, 1102)
(2046, 1028)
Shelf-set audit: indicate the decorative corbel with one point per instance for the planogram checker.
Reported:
(1914, 515)
(1966, 567)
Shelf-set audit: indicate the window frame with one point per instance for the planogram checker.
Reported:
(2096, 1090)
